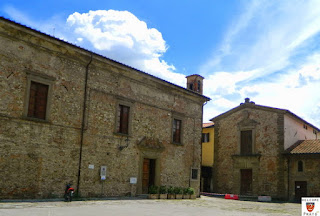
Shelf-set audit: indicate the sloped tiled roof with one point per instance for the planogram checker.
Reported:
(205, 125)
(305, 147)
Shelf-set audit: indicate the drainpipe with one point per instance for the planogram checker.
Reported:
(288, 162)
(83, 121)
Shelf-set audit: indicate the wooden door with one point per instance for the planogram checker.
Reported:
(300, 190)
(246, 182)
(148, 174)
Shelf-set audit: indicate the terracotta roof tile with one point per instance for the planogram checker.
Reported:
(204, 125)
(305, 147)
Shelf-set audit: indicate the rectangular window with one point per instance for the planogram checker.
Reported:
(123, 119)
(246, 142)
(38, 100)
(205, 137)
(194, 174)
(176, 133)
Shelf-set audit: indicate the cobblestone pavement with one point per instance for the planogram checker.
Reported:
(202, 206)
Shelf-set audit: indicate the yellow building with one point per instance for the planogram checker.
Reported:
(207, 156)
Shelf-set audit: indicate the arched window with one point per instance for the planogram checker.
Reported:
(199, 85)
(300, 166)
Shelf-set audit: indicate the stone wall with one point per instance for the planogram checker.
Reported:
(38, 157)
(309, 174)
(266, 160)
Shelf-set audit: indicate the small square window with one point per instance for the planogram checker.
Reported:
(194, 174)
(205, 137)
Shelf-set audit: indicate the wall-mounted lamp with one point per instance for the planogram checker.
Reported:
(121, 147)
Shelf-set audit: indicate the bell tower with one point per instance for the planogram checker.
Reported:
(195, 83)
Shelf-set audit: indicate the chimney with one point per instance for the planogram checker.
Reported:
(247, 101)
(195, 83)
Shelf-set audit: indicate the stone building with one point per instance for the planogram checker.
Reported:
(303, 160)
(250, 142)
(207, 157)
(70, 115)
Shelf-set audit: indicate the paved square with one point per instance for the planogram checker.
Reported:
(203, 206)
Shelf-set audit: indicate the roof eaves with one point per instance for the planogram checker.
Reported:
(86, 50)
(301, 119)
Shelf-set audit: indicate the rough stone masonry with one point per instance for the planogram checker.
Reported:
(78, 134)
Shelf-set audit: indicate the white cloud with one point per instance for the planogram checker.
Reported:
(265, 35)
(268, 55)
(121, 36)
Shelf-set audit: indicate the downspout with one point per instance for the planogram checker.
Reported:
(288, 162)
(83, 122)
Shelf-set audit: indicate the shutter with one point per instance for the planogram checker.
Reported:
(246, 142)
(177, 131)
(119, 119)
(41, 101)
(125, 120)
(32, 98)
(38, 100)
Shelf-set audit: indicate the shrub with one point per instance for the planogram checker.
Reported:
(178, 190)
(153, 189)
(185, 190)
(162, 190)
(170, 190)
(190, 191)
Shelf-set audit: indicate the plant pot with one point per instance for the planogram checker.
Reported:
(179, 196)
(163, 196)
(264, 198)
(171, 196)
(186, 196)
(153, 196)
(193, 196)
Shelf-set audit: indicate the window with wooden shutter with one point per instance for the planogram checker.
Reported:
(176, 133)
(38, 100)
(246, 142)
(123, 119)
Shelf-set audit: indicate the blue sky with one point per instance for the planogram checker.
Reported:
(267, 50)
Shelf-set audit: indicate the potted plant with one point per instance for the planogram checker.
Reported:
(178, 192)
(191, 193)
(171, 194)
(153, 192)
(163, 192)
(186, 194)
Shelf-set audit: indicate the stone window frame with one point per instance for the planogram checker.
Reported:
(42, 79)
(180, 118)
(130, 104)
(253, 134)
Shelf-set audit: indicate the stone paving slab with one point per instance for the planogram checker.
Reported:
(202, 206)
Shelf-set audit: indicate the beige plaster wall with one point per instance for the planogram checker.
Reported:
(295, 131)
